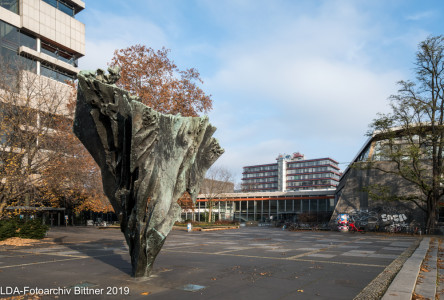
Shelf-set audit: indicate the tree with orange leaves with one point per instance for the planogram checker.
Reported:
(159, 83)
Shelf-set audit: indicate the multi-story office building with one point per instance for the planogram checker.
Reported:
(40, 44)
(291, 173)
(292, 189)
(44, 35)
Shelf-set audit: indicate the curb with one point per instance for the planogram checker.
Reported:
(378, 286)
(426, 287)
(204, 229)
(403, 285)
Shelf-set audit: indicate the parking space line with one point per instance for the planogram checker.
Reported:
(281, 258)
(58, 260)
(307, 253)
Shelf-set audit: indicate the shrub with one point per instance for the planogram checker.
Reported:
(8, 229)
(33, 229)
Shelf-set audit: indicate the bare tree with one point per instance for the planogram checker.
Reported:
(411, 136)
(30, 106)
(217, 182)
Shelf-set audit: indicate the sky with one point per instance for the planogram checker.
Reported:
(285, 76)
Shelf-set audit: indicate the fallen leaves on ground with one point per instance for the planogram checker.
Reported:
(417, 296)
(16, 241)
(145, 293)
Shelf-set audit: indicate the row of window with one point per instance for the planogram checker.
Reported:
(262, 186)
(310, 163)
(261, 174)
(261, 168)
(313, 176)
(59, 53)
(11, 5)
(11, 38)
(305, 211)
(312, 170)
(312, 183)
(388, 149)
(260, 180)
(309, 188)
(273, 206)
(62, 6)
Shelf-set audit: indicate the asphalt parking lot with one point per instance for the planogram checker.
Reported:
(245, 263)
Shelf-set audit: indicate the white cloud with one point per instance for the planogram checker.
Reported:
(286, 76)
(112, 31)
(311, 84)
(421, 15)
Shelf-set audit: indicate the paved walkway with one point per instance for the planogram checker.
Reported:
(246, 263)
(422, 274)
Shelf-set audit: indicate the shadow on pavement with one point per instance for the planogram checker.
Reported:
(109, 251)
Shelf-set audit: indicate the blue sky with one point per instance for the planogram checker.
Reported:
(285, 76)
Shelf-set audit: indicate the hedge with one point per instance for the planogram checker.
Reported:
(30, 229)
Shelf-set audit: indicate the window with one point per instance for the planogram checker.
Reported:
(62, 6)
(11, 38)
(11, 5)
(314, 205)
(58, 53)
(305, 205)
(53, 73)
(27, 40)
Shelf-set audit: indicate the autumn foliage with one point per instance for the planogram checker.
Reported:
(159, 83)
(41, 161)
(71, 173)
(29, 106)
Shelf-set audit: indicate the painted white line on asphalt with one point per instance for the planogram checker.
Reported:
(280, 258)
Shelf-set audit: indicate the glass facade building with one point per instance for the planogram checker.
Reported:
(42, 37)
(301, 206)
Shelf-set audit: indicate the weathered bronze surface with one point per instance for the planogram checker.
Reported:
(147, 159)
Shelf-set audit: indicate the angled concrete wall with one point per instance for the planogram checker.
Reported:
(371, 213)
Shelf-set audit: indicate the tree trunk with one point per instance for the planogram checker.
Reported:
(431, 214)
(2, 207)
(210, 212)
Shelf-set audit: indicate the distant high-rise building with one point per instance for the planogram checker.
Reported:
(291, 173)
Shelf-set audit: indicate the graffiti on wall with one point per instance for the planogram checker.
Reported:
(388, 219)
(364, 217)
(396, 218)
